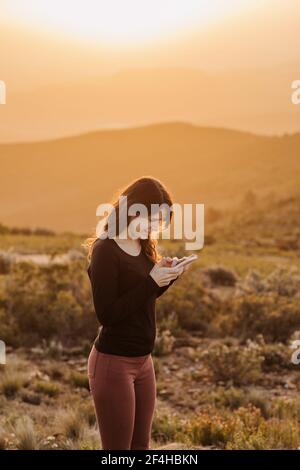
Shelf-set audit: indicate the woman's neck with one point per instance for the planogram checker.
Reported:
(133, 246)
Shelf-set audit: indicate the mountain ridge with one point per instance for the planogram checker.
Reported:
(58, 184)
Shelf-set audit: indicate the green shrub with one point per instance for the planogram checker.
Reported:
(165, 427)
(189, 304)
(11, 382)
(207, 429)
(50, 389)
(247, 429)
(237, 364)
(79, 380)
(46, 303)
(220, 276)
(274, 317)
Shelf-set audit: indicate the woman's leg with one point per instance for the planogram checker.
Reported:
(145, 399)
(111, 383)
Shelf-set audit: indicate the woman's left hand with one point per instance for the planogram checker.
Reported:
(176, 260)
(167, 261)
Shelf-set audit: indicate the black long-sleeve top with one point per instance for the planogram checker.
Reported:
(124, 296)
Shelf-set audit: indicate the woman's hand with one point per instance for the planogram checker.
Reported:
(176, 260)
(163, 275)
(171, 262)
(166, 262)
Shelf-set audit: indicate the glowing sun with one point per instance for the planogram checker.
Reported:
(118, 21)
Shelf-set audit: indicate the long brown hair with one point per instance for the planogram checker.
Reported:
(147, 191)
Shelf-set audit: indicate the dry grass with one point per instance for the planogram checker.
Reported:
(26, 435)
(11, 383)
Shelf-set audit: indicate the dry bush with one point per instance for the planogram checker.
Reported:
(69, 423)
(26, 435)
(237, 364)
(247, 429)
(50, 389)
(165, 427)
(11, 382)
(164, 343)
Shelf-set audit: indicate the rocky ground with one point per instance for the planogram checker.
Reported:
(53, 392)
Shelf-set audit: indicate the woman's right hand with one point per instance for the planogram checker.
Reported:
(164, 275)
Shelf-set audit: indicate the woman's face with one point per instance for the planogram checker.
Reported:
(144, 227)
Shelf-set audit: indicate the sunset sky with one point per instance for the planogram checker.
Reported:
(105, 36)
(118, 21)
(48, 47)
(126, 82)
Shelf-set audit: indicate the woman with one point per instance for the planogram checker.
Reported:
(127, 275)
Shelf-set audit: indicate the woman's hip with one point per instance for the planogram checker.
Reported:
(103, 367)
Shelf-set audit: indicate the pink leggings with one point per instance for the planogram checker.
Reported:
(124, 394)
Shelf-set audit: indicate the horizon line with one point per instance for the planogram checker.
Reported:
(145, 126)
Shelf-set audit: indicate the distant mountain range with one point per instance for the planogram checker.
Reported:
(59, 183)
(256, 100)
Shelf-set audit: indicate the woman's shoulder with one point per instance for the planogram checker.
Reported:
(103, 255)
(103, 246)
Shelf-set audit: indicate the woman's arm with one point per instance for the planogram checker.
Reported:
(163, 289)
(166, 261)
(104, 275)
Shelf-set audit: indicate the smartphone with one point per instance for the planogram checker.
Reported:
(186, 261)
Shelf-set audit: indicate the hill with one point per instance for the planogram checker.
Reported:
(256, 100)
(58, 184)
